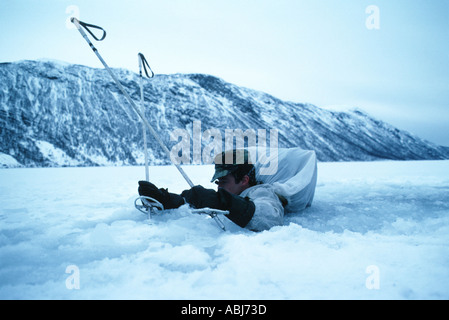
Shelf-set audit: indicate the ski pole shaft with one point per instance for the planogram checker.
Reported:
(131, 102)
(144, 131)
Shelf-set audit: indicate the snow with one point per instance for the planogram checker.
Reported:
(55, 155)
(7, 161)
(376, 230)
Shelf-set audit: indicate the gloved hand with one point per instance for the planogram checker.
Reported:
(168, 200)
(241, 210)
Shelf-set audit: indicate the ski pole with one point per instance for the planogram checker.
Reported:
(78, 25)
(143, 64)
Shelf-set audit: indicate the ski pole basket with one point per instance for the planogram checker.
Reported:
(148, 205)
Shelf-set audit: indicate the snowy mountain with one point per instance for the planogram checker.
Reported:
(59, 114)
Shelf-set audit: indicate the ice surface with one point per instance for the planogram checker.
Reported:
(376, 230)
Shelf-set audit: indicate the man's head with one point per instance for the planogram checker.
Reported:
(234, 171)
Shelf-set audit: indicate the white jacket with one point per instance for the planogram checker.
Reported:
(269, 211)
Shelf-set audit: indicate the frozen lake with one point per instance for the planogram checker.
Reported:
(376, 230)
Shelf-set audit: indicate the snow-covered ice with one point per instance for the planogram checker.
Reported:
(376, 230)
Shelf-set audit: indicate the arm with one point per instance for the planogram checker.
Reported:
(241, 210)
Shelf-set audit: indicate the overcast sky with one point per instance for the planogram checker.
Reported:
(387, 57)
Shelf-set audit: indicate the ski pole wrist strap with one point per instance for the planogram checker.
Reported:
(144, 63)
(86, 26)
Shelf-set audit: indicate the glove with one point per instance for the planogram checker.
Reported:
(168, 200)
(241, 210)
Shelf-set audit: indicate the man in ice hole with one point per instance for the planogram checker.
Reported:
(251, 205)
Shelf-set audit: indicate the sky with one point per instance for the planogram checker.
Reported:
(389, 58)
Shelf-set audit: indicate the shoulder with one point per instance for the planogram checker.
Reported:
(260, 190)
(269, 211)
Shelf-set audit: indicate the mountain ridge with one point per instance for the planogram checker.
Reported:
(61, 114)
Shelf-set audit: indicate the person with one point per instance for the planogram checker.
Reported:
(250, 204)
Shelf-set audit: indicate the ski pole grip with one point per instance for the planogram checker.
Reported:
(76, 22)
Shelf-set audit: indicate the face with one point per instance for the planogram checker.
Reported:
(228, 183)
